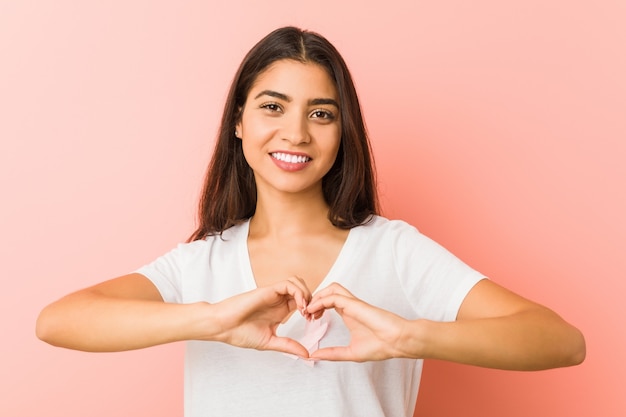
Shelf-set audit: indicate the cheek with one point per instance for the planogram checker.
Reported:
(258, 128)
(334, 142)
(255, 141)
(250, 152)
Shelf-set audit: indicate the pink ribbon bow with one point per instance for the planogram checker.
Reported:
(314, 330)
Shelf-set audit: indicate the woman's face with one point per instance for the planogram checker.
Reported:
(290, 127)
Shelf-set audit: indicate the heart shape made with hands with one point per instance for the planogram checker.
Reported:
(314, 331)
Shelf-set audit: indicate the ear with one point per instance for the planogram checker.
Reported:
(238, 129)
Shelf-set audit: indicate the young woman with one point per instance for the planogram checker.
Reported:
(289, 223)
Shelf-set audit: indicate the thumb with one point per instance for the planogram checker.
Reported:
(336, 353)
(287, 345)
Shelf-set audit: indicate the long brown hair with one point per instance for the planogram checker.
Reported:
(229, 192)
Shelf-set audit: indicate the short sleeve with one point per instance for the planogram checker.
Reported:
(166, 272)
(435, 280)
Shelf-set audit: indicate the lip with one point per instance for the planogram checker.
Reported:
(290, 166)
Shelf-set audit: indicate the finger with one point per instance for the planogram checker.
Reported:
(356, 309)
(306, 292)
(287, 345)
(296, 289)
(333, 288)
(337, 353)
(315, 316)
(300, 282)
(332, 301)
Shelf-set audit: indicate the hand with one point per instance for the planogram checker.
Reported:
(374, 332)
(250, 319)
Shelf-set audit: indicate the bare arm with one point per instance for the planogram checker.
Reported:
(495, 328)
(498, 329)
(121, 314)
(128, 313)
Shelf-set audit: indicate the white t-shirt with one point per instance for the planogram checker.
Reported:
(388, 264)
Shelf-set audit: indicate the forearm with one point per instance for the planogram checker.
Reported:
(94, 322)
(530, 340)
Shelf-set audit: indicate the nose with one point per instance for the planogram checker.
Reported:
(295, 129)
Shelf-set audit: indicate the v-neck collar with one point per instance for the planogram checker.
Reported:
(346, 253)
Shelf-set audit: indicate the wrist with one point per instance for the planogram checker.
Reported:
(203, 323)
(412, 340)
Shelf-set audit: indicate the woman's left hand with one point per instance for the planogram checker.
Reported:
(494, 328)
(374, 332)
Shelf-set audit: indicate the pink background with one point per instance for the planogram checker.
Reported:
(499, 129)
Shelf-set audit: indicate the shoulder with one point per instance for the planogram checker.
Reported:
(223, 242)
(384, 228)
(400, 239)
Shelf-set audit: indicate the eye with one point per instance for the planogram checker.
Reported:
(271, 107)
(322, 114)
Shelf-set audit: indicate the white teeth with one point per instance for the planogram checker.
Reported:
(292, 159)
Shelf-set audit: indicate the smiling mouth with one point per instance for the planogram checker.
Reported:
(292, 159)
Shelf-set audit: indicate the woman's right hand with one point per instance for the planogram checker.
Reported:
(128, 313)
(250, 320)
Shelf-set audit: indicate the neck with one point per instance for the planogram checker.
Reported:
(288, 215)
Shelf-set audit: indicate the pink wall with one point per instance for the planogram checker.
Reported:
(499, 129)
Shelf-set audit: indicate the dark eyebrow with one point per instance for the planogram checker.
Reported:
(318, 101)
(273, 94)
(285, 97)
